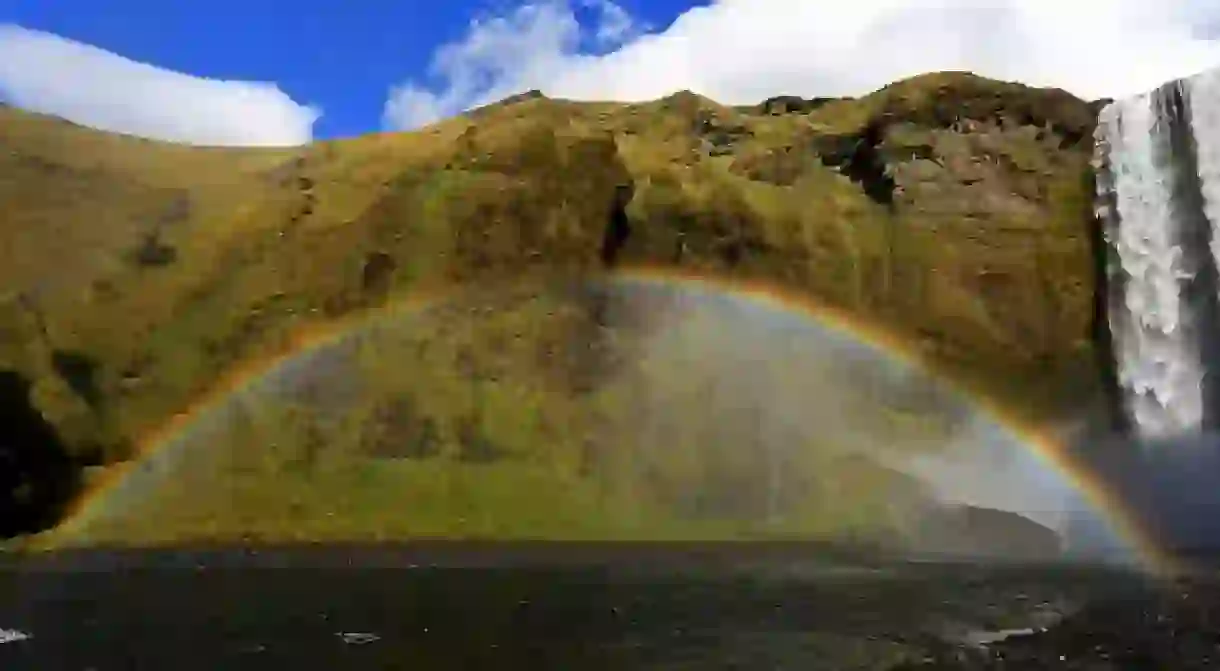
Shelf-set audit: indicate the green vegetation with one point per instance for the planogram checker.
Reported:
(466, 421)
(948, 210)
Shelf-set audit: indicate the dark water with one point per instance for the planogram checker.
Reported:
(549, 608)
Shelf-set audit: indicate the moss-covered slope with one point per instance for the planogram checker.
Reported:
(951, 210)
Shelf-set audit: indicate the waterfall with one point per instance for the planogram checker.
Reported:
(1157, 158)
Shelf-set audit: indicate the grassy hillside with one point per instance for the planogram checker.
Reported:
(953, 211)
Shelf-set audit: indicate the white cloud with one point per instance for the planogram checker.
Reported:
(498, 54)
(93, 87)
(614, 24)
(743, 51)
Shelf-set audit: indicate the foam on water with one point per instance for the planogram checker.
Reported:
(12, 636)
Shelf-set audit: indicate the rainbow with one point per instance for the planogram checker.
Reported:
(1049, 453)
(1045, 448)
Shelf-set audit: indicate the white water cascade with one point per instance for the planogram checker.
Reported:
(1158, 195)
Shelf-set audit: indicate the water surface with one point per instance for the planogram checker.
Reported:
(533, 606)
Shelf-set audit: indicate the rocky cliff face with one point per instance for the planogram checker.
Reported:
(950, 210)
(953, 210)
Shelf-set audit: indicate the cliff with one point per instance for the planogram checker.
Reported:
(950, 210)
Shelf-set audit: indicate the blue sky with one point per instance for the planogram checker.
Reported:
(254, 72)
(340, 59)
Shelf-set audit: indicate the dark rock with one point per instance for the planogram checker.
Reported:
(858, 157)
(79, 372)
(793, 104)
(378, 272)
(37, 476)
(718, 135)
(618, 226)
(154, 253)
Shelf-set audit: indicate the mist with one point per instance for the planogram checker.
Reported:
(1169, 484)
(780, 388)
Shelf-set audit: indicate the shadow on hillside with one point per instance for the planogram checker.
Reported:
(37, 475)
